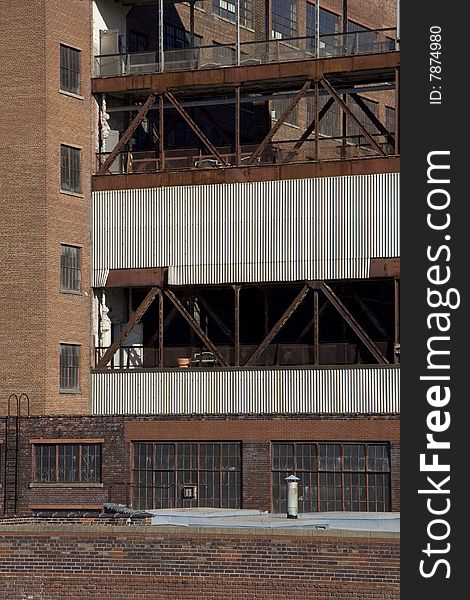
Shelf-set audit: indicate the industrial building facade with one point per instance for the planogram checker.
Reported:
(200, 255)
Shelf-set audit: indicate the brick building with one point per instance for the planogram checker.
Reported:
(200, 254)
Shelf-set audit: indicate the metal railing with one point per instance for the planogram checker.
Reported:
(138, 357)
(251, 53)
(277, 152)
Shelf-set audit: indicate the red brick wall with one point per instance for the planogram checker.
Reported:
(36, 217)
(255, 434)
(151, 564)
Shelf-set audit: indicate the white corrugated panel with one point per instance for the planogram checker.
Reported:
(247, 391)
(322, 228)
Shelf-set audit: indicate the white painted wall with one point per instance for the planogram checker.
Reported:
(108, 15)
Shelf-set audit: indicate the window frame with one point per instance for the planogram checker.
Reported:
(284, 28)
(246, 12)
(70, 272)
(55, 459)
(70, 174)
(70, 69)
(70, 389)
(342, 473)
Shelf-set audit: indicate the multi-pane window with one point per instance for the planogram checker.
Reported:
(333, 477)
(228, 10)
(280, 105)
(330, 122)
(329, 22)
(137, 42)
(69, 69)
(70, 169)
(175, 38)
(182, 475)
(352, 128)
(67, 463)
(390, 119)
(69, 367)
(284, 19)
(70, 274)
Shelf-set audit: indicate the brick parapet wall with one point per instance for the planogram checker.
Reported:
(160, 563)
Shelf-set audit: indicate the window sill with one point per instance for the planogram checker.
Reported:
(71, 94)
(71, 292)
(234, 23)
(65, 485)
(74, 194)
(71, 392)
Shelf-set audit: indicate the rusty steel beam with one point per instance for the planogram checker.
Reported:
(127, 134)
(316, 329)
(312, 127)
(351, 115)
(397, 111)
(161, 355)
(351, 321)
(195, 127)
(195, 327)
(225, 330)
(280, 171)
(367, 111)
(278, 326)
(238, 152)
(396, 344)
(236, 289)
(292, 104)
(139, 313)
(161, 132)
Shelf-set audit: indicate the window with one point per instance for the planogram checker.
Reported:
(333, 476)
(329, 25)
(163, 472)
(280, 105)
(137, 42)
(70, 274)
(390, 119)
(175, 38)
(70, 169)
(69, 69)
(69, 367)
(67, 463)
(330, 123)
(284, 19)
(228, 10)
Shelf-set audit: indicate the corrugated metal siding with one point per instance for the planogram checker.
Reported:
(348, 390)
(323, 228)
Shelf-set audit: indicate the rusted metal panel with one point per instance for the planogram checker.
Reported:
(335, 168)
(293, 230)
(214, 79)
(384, 267)
(360, 390)
(136, 277)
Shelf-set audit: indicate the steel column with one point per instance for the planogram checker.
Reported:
(316, 329)
(161, 352)
(236, 289)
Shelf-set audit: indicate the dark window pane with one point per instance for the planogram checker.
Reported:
(69, 69)
(228, 10)
(70, 169)
(69, 367)
(70, 273)
(284, 18)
